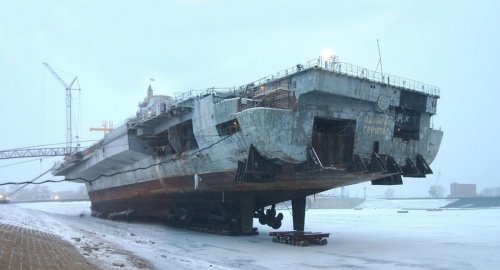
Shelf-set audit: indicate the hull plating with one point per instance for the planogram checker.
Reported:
(160, 195)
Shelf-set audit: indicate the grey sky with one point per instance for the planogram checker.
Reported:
(115, 47)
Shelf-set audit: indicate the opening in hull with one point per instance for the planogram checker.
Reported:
(333, 141)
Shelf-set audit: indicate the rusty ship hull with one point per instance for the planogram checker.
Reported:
(154, 197)
(218, 157)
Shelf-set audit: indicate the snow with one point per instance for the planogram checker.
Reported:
(371, 238)
(405, 203)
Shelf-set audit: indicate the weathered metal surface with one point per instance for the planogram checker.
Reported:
(304, 131)
(299, 238)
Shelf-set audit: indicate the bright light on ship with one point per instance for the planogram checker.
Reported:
(56, 197)
(327, 53)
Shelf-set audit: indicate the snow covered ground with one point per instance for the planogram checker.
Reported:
(405, 203)
(376, 237)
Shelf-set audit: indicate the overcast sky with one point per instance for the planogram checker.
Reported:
(115, 47)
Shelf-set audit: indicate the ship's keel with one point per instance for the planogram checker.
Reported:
(234, 216)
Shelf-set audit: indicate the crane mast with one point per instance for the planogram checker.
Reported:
(68, 88)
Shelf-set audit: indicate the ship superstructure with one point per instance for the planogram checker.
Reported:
(218, 157)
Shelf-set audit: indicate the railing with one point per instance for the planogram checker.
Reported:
(180, 97)
(360, 72)
(331, 64)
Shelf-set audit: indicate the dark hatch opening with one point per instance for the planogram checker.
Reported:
(406, 124)
(333, 141)
(228, 128)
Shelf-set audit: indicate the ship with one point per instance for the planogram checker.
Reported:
(219, 157)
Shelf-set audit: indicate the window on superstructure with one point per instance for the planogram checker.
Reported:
(228, 128)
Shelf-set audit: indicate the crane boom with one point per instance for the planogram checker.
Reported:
(54, 73)
(38, 152)
(106, 127)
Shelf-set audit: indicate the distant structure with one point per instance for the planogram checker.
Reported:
(42, 193)
(462, 190)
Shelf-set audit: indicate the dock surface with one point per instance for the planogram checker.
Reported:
(24, 248)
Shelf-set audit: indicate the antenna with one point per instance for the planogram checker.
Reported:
(379, 64)
(380, 59)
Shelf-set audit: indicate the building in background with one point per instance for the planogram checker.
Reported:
(462, 190)
(43, 193)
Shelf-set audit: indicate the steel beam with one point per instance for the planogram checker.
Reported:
(38, 152)
(299, 213)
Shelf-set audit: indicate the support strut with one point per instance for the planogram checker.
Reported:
(299, 213)
(247, 210)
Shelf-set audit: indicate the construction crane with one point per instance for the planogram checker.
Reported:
(106, 127)
(68, 88)
(38, 152)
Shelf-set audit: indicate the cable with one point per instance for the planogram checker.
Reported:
(77, 128)
(64, 143)
(31, 160)
(108, 175)
(17, 190)
(35, 146)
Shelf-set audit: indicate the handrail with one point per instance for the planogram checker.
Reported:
(332, 64)
(180, 97)
(326, 63)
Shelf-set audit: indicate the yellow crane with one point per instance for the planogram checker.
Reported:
(106, 127)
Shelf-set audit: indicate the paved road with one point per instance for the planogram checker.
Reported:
(22, 248)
